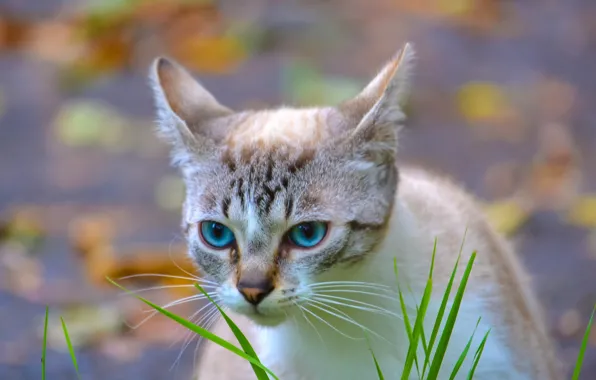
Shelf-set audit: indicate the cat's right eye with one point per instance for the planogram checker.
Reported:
(216, 234)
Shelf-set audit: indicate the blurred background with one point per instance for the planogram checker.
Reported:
(503, 100)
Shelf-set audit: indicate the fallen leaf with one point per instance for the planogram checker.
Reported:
(21, 274)
(583, 211)
(87, 325)
(554, 98)
(306, 86)
(481, 101)
(507, 216)
(554, 177)
(90, 232)
(218, 54)
(91, 123)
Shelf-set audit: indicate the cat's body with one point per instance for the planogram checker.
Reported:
(297, 215)
(498, 290)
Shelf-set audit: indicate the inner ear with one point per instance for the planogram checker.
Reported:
(376, 115)
(185, 96)
(381, 100)
(190, 119)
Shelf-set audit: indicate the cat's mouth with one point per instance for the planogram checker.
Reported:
(264, 316)
(267, 320)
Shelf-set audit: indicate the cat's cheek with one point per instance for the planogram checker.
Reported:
(211, 265)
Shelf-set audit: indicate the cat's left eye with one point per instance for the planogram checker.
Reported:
(307, 234)
(216, 234)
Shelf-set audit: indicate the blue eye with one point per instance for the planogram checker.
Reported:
(308, 234)
(216, 234)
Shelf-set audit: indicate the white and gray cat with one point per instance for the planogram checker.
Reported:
(296, 216)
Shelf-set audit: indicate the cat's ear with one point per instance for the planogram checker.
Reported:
(184, 109)
(376, 112)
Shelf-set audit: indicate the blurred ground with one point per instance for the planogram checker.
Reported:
(503, 101)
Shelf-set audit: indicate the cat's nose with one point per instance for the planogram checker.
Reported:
(255, 289)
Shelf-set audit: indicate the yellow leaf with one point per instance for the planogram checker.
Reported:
(481, 101)
(583, 212)
(506, 216)
(455, 7)
(214, 54)
(91, 123)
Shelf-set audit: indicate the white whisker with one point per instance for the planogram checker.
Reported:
(365, 287)
(208, 324)
(345, 317)
(325, 291)
(358, 283)
(193, 279)
(365, 306)
(176, 264)
(309, 322)
(191, 334)
(153, 312)
(156, 288)
(327, 323)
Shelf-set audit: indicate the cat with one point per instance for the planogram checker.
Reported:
(296, 215)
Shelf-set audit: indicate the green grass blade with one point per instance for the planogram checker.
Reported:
(477, 356)
(44, 345)
(199, 330)
(449, 324)
(404, 311)
(442, 308)
(462, 357)
(70, 348)
(582, 351)
(379, 372)
(244, 343)
(432, 260)
(402, 303)
(411, 356)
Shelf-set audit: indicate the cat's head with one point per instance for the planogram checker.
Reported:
(277, 200)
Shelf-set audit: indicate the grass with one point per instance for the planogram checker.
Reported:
(432, 360)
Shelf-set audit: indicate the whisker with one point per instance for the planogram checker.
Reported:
(365, 287)
(178, 266)
(301, 308)
(156, 288)
(192, 319)
(360, 283)
(208, 324)
(193, 279)
(190, 337)
(325, 291)
(345, 317)
(328, 324)
(153, 312)
(365, 306)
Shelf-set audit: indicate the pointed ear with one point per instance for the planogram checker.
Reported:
(184, 109)
(377, 111)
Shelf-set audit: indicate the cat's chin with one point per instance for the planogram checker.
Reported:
(266, 320)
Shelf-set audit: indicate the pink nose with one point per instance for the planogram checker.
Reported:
(255, 290)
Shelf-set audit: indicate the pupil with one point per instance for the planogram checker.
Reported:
(217, 231)
(307, 231)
